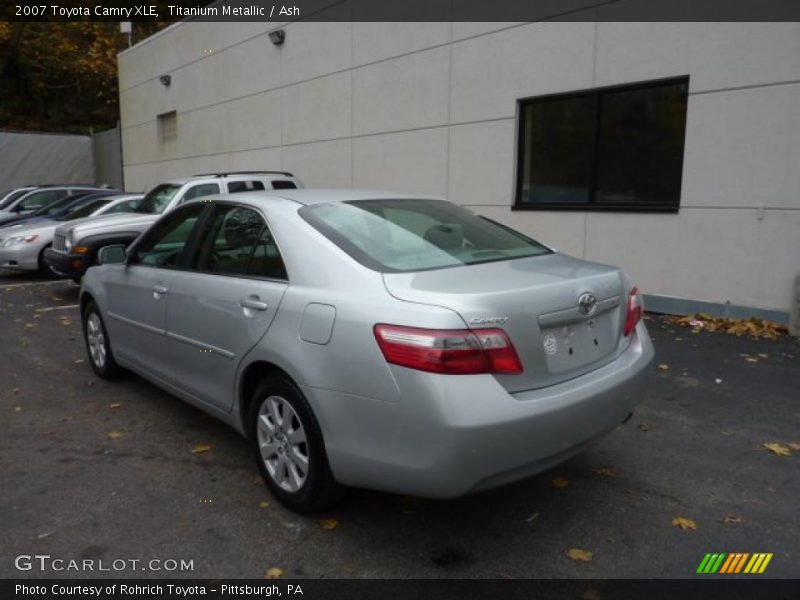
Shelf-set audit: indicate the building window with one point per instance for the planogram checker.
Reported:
(618, 148)
(167, 126)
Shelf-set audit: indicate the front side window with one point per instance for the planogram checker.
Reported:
(235, 240)
(157, 199)
(163, 244)
(617, 148)
(416, 235)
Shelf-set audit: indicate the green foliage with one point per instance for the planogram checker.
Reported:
(62, 76)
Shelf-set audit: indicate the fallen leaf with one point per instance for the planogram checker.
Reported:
(763, 355)
(330, 524)
(778, 449)
(559, 483)
(580, 555)
(684, 523)
(590, 594)
(257, 480)
(201, 448)
(115, 405)
(750, 359)
(731, 519)
(644, 427)
(263, 505)
(15, 390)
(115, 435)
(274, 573)
(17, 408)
(794, 445)
(79, 361)
(663, 367)
(718, 380)
(605, 472)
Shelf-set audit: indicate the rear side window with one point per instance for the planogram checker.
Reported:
(234, 187)
(11, 197)
(236, 241)
(283, 184)
(198, 191)
(416, 235)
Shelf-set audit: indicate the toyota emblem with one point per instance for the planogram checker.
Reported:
(587, 304)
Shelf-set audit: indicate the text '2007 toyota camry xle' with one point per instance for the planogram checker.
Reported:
(372, 339)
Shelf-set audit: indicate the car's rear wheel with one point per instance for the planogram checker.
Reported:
(287, 443)
(98, 345)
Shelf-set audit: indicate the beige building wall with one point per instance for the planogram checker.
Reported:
(431, 107)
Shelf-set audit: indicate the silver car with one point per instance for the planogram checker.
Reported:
(372, 339)
(22, 245)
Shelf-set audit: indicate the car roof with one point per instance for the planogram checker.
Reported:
(233, 174)
(308, 196)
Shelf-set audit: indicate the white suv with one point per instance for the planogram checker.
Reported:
(75, 245)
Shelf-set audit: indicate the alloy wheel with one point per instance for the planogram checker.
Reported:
(282, 443)
(96, 340)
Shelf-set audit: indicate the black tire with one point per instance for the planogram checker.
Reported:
(320, 490)
(107, 368)
(44, 268)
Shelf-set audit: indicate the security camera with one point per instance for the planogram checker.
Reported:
(277, 37)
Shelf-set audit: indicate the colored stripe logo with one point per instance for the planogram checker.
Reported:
(734, 563)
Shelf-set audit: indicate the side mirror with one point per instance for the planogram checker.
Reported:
(112, 255)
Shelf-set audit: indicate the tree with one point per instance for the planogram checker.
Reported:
(62, 76)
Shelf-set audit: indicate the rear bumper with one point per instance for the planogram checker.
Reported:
(70, 265)
(453, 435)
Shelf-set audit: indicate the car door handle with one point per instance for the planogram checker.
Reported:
(253, 303)
(159, 290)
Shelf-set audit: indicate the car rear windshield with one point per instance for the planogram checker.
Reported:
(11, 197)
(398, 236)
(157, 199)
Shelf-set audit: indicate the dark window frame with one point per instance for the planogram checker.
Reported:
(592, 205)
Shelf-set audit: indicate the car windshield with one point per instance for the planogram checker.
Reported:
(11, 197)
(157, 199)
(416, 235)
(54, 207)
(84, 210)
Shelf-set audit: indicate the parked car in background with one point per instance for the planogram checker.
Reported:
(40, 197)
(58, 208)
(22, 244)
(372, 339)
(76, 245)
(12, 195)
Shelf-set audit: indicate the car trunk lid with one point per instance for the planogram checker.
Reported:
(536, 301)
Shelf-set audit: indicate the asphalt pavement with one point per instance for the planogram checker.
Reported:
(105, 471)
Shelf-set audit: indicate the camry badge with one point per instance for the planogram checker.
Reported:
(587, 304)
(488, 321)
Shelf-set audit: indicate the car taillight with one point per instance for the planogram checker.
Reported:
(449, 351)
(633, 313)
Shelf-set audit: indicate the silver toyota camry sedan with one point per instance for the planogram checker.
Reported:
(371, 339)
